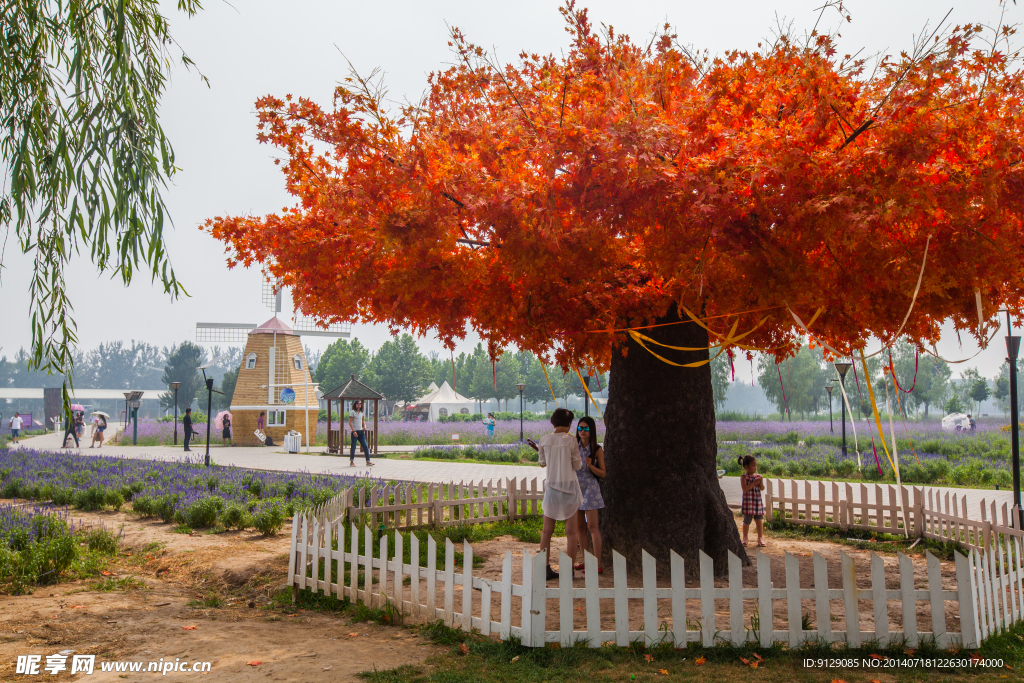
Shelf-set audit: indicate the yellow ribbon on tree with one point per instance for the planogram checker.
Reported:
(550, 388)
(584, 385)
(874, 407)
(639, 339)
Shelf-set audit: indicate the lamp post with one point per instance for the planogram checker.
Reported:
(842, 369)
(1012, 350)
(828, 388)
(176, 386)
(520, 387)
(209, 407)
(586, 403)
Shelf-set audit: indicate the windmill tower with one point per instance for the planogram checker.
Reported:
(274, 377)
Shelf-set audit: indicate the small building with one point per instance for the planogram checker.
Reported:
(274, 379)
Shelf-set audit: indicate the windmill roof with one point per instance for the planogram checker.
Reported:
(273, 325)
(444, 394)
(353, 389)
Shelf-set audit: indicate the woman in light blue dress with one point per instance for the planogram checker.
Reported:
(590, 470)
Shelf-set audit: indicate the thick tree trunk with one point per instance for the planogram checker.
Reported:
(661, 491)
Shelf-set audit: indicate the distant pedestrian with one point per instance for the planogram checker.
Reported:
(15, 425)
(70, 430)
(226, 421)
(187, 424)
(973, 422)
(589, 473)
(357, 428)
(560, 454)
(80, 424)
(489, 423)
(753, 506)
(97, 432)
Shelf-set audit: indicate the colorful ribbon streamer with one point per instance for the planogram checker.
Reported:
(550, 388)
(584, 385)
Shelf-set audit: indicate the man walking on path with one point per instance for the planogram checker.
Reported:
(187, 424)
(355, 425)
(15, 425)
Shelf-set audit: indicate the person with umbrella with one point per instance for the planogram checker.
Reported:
(72, 428)
(100, 419)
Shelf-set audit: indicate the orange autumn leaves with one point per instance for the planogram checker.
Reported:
(543, 201)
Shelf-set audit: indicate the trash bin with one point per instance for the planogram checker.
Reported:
(292, 441)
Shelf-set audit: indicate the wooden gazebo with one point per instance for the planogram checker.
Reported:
(352, 390)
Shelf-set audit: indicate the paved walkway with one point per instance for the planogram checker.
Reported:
(273, 458)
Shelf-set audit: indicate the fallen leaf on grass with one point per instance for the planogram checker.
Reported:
(745, 661)
(463, 648)
(254, 662)
(78, 607)
(353, 635)
(754, 665)
(1009, 667)
(909, 651)
(699, 661)
(106, 573)
(649, 658)
(188, 628)
(758, 657)
(515, 659)
(663, 672)
(291, 615)
(838, 680)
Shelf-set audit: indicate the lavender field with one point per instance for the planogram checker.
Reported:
(927, 455)
(184, 492)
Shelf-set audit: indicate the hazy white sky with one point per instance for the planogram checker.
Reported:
(255, 47)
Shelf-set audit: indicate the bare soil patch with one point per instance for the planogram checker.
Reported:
(147, 622)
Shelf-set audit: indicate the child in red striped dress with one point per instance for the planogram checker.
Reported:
(753, 506)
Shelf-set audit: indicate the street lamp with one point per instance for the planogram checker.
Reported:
(1012, 350)
(209, 406)
(176, 386)
(520, 387)
(842, 369)
(132, 401)
(586, 404)
(828, 388)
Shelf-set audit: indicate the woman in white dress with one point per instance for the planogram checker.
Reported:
(560, 454)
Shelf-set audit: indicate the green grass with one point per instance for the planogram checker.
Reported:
(209, 601)
(487, 660)
(111, 584)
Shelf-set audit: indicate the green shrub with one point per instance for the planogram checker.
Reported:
(90, 499)
(269, 519)
(235, 516)
(102, 541)
(202, 513)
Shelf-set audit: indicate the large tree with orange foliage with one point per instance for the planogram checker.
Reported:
(553, 203)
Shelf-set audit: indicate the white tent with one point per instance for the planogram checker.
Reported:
(445, 401)
(956, 422)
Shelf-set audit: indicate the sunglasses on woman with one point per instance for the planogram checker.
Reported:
(583, 428)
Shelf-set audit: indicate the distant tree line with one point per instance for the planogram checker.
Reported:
(400, 371)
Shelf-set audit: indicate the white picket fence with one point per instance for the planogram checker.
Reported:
(411, 506)
(987, 596)
(905, 511)
(989, 591)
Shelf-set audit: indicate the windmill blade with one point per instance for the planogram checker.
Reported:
(223, 332)
(272, 294)
(307, 326)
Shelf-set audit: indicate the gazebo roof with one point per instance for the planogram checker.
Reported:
(353, 389)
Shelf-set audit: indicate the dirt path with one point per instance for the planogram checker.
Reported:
(147, 623)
